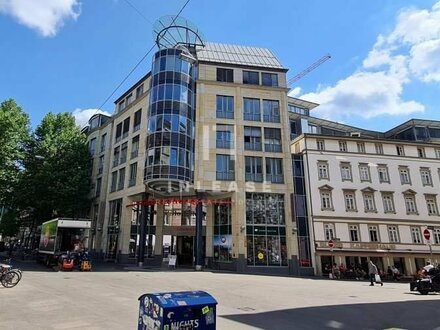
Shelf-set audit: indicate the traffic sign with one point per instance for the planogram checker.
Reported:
(427, 234)
(330, 243)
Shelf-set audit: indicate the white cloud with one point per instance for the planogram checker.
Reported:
(295, 92)
(82, 116)
(411, 51)
(45, 16)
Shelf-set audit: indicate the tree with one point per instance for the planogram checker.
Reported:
(56, 178)
(14, 133)
(10, 225)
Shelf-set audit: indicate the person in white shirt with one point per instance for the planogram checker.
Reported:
(427, 268)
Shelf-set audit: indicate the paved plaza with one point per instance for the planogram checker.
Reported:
(107, 298)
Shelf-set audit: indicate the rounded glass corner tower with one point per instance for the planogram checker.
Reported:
(170, 143)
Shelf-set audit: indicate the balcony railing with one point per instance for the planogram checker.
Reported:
(252, 116)
(255, 177)
(271, 119)
(225, 114)
(221, 144)
(136, 127)
(273, 147)
(256, 146)
(275, 178)
(225, 176)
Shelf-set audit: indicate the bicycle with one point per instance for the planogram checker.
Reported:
(9, 277)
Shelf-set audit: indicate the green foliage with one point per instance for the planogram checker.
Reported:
(14, 133)
(57, 169)
(9, 225)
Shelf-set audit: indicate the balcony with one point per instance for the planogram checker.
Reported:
(271, 119)
(256, 146)
(275, 178)
(225, 114)
(254, 177)
(273, 147)
(225, 176)
(221, 144)
(252, 116)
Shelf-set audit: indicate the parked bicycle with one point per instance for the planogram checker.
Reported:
(9, 276)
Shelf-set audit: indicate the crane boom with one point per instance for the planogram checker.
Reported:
(310, 68)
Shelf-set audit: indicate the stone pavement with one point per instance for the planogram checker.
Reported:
(107, 299)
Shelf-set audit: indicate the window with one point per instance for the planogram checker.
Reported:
(374, 235)
(116, 157)
(103, 142)
(251, 78)
(252, 138)
(369, 203)
(135, 147)
(343, 146)
(271, 111)
(388, 202)
(404, 175)
(329, 231)
(379, 148)
(121, 105)
(354, 233)
(101, 164)
(426, 176)
(225, 75)
(421, 152)
(350, 201)
(312, 129)
(225, 107)
(393, 234)
(437, 153)
(114, 181)
(137, 120)
(296, 109)
(436, 235)
(118, 132)
(139, 91)
(133, 175)
(364, 172)
(400, 150)
(323, 172)
(272, 140)
(251, 109)
(326, 198)
(128, 100)
(410, 204)
(274, 170)
(92, 147)
(121, 181)
(320, 144)
(346, 171)
(383, 173)
(222, 239)
(415, 235)
(225, 167)
(254, 169)
(224, 136)
(98, 187)
(361, 147)
(126, 128)
(124, 149)
(431, 204)
(269, 79)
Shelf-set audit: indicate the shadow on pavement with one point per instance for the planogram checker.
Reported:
(410, 315)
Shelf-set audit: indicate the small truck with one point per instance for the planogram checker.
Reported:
(60, 235)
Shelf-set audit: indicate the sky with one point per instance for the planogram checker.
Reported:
(69, 55)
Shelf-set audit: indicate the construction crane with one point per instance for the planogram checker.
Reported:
(310, 68)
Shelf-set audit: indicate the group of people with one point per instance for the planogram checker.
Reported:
(341, 271)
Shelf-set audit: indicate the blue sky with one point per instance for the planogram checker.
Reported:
(69, 55)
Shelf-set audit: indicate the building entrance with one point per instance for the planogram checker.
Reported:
(185, 250)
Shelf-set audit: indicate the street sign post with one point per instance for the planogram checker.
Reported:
(331, 244)
(427, 235)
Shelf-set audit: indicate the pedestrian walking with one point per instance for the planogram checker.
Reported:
(372, 271)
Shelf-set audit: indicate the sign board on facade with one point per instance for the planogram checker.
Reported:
(427, 234)
(330, 243)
